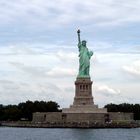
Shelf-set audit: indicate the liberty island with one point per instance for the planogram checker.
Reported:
(83, 112)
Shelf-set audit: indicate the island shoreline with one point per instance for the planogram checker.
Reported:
(70, 125)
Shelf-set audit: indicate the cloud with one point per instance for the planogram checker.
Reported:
(14, 92)
(64, 62)
(106, 90)
(21, 49)
(31, 76)
(61, 72)
(133, 68)
(61, 12)
(63, 55)
(105, 94)
(38, 72)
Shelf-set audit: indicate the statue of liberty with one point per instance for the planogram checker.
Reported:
(84, 58)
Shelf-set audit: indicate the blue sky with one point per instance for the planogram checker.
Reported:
(37, 36)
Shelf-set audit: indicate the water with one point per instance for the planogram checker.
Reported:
(7, 133)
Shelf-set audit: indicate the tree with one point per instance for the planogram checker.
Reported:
(26, 109)
(125, 107)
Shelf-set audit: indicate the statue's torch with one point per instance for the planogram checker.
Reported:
(78, 32)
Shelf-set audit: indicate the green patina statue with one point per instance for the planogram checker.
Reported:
(84, 58)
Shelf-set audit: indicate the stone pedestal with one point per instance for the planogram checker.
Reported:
(83, 92)
(83, 100)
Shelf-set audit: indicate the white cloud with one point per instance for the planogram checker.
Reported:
(64, 56)
(106, 90)
(133, 69)
(63, 12)
(61, 72)
(105, 94)
(14, 92)
(26, 75)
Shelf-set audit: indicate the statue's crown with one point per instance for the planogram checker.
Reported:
(84, 41)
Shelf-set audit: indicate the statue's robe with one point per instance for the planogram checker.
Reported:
(84, 61)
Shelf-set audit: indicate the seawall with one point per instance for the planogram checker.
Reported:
(71, 125)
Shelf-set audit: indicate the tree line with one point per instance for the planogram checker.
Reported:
(125, 107)
(24, 110)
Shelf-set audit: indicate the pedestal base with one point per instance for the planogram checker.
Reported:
(84, 109)
(83, 100)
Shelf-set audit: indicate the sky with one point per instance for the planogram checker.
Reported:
(39, 54)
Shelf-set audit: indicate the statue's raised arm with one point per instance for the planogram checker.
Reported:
(79, 40)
